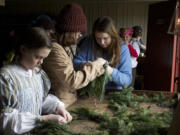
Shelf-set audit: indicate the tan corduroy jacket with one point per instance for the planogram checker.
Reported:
(65, 80)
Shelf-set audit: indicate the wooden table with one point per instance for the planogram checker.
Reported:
(84, 126)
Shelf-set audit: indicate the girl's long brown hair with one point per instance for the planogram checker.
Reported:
(105, 24)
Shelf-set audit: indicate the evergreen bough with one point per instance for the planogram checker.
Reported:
(129, 118)
(96, 88)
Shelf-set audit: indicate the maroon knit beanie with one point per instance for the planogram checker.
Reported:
(71, 19)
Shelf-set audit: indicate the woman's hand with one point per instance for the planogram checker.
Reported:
(55, 118)
(60, 110)
(99, 60)
(110, 70)
(143, 47)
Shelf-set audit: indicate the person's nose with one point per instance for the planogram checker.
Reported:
(79, 35)
(102, 42)
(41, 61)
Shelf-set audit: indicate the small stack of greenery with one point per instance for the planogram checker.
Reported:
(127, 97)
(129, 118)
(52, 128)
(96, 88)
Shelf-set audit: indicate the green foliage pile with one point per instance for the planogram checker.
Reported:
(135, 120)
(96, 88)
(130, 122)
(87, 114)
(127, 97)
(129, 118)
(51, 128)
(138, 121)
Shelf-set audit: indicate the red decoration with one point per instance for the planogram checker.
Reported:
(132, 51)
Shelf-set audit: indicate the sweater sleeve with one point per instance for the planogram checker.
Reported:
(59, 67)
(50, 104)
(50, 101)
(122, 75)
(82, 54)
(11, 120)
(17, 123)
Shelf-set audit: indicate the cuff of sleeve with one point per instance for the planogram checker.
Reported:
(51, 103)
(114, 73)
(18, 123)
(99, 67)
(57, 103)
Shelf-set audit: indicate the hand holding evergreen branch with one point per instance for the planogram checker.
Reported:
(96, 88)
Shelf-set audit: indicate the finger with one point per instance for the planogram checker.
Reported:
(62, 114)
(69, 117)
(65, 117)
(62, 121)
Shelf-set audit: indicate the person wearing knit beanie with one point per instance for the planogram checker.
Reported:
(72, 19)
(71, 22)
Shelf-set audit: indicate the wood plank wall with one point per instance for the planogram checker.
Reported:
(124, 14)
(2, 2)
